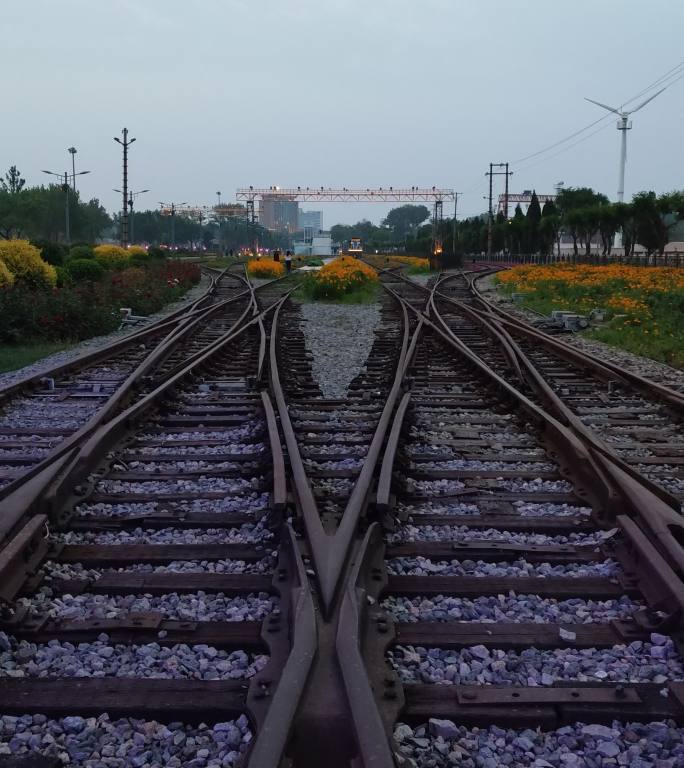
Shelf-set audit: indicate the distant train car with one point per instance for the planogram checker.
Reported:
(355, 246)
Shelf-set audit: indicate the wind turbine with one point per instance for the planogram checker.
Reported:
(624, 125)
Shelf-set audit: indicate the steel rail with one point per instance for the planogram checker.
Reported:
(667, 395)
(86, 358)
(275, 691)
(276, 727)
(552, 401)
(330, 552)
(127, 387)
(372, 736)
(658, 580)
(617, 486)
(70, 469)
(656, 511)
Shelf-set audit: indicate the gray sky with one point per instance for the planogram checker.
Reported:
(228, 93)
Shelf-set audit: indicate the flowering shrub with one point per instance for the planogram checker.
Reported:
(84, 269)
(265, 268)
(645, 304)
(23, 260)
(78, 311)
(343, 275)
(6, 277)
(111, 256)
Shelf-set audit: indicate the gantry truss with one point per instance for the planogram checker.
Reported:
(204, 211)
(345, 194)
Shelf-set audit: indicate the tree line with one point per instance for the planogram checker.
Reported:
(38, 213)
(586, 217)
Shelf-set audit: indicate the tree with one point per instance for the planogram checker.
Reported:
(578, 197)
(518, 229)
(654, 217)
(533, 217)
(12, 182)
(608, 226)
(405, 218)
(549, 227)
(577, 208)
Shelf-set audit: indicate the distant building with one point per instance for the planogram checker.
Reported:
(279, 215)
(313, 219)
(315, 243)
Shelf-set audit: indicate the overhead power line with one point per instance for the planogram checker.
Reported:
(669, 78)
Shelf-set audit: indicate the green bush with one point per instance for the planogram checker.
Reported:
(63, 277)
(138, 259)
(155, 252)
(53, 253)
(80, 252)
(85, 269)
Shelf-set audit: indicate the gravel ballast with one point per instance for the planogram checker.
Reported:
(339, 337)
(126, 743)
(444, 744)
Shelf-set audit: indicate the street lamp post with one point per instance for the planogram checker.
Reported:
(65, 188)
(72, 152)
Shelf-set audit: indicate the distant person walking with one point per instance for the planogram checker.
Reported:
(288, 261)
(276, 255)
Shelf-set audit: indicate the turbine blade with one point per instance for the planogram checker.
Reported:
(644, 103)
(605, 106)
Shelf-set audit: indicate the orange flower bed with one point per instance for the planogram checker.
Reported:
(265, 268)
(644, 304)
(341, 276)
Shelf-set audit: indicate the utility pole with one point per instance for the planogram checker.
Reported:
(489, 218)
(506, 193)
(72, 152)
(453, 249)
(124, 212)
(490, 224)
(200, 218)
(220, 224)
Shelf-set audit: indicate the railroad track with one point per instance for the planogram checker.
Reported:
(43, 416)
(625, 415)
(436, 569)
(167, 584)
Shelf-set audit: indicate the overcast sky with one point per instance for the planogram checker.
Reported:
(227, 93)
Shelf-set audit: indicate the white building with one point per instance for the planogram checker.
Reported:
(315, 243)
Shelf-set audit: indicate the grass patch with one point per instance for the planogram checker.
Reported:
(17, 356)
(644, 305)
(220, 263)
(368, 293)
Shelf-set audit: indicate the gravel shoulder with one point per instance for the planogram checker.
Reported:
(643, 366)
(89, 345)
(339, 337)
